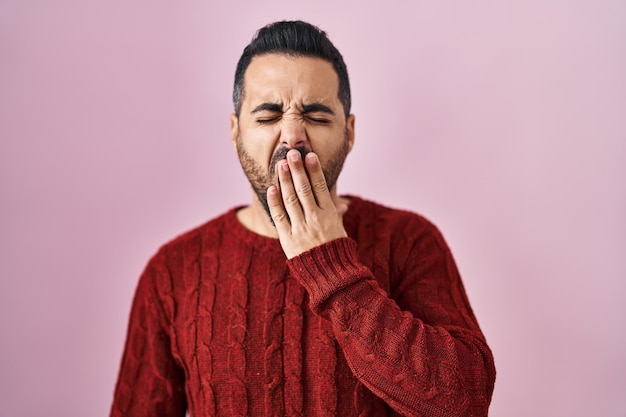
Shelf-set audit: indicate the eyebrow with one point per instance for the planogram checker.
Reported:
(307, 108)
(317, 108)
(273, 107)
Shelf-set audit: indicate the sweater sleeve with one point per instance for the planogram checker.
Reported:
(428, 358)
(150, 383)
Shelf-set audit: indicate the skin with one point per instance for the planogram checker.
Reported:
(292, 102)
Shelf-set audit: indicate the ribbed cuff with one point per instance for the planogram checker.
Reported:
(327, 269)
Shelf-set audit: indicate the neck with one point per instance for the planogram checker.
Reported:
(255, 218)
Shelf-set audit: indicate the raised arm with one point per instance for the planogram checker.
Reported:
(426, 358)
(418, 348)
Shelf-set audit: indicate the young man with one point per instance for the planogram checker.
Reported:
(305, 302)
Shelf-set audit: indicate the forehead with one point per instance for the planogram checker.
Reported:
(278, 77)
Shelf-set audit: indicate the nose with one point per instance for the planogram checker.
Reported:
(292, 132)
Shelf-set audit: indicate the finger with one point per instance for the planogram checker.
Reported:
(301, 182)
(290, 198)
(277, 210)
(318, 183)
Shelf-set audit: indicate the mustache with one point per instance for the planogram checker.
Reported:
(281, 153)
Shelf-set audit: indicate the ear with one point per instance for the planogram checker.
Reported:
(350, 131)
(234, 129)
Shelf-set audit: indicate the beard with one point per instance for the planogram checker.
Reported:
(261, 178)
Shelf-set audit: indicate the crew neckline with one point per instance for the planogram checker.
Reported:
(258, 241)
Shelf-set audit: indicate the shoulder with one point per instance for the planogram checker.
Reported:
(383, 218)
(174, 266)
(400, 233)
(189, 245)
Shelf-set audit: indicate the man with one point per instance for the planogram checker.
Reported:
(305, 302)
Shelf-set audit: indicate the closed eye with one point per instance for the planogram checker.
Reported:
(318, 113)
(318, 120)
(267, 113)
(268, 120)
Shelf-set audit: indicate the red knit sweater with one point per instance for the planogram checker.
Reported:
(372, 325)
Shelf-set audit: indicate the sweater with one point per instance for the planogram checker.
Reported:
(375, 324)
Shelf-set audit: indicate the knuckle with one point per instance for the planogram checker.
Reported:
(304, 189)
(320, 186)
(279, 217)
(292, 200)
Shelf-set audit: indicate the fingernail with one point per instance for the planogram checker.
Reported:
(311, 158)
(294, 156)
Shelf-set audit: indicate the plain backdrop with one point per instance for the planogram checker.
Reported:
(502, 122)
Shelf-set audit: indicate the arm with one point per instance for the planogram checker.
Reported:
(150, 383)
(427, 358)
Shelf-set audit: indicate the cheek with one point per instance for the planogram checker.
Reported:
(258, 143)
(327, 143)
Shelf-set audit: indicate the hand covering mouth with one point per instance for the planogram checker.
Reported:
(281, 153)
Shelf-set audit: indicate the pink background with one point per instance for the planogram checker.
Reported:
(503, 122)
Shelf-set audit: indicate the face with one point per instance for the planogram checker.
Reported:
(290, 103)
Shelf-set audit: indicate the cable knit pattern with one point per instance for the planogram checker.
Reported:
(326, 362)
(272, 339)
(375, 324)
(293, 325)
(236, 336)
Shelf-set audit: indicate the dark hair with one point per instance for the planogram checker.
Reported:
(295, 38)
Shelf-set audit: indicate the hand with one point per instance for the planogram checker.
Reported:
(302, 207)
